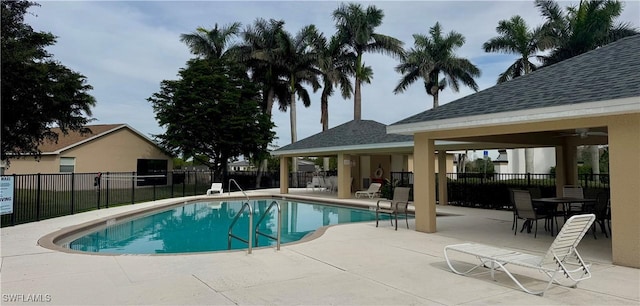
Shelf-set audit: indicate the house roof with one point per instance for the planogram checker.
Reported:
(350, 136)
(609, 74)
(73, 138)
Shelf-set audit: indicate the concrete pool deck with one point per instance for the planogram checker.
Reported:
(351, 264)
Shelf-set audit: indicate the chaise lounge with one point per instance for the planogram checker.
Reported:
(561, 259)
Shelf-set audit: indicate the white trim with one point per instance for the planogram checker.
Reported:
(372, 146)
(569, 111)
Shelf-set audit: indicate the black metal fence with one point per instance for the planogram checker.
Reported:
(492, 190)
(42, 196)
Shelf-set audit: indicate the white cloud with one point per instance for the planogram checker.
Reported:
(127, 48)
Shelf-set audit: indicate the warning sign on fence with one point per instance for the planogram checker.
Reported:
(6, 195)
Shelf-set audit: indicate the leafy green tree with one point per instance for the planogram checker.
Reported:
(481, 165)
(38, 93)
(584, 27)
(433, 55)
(212, 113)
(356, 31)
(212, 43)
(516, 38)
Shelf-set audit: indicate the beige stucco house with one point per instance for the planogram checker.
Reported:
(109, 148)
(591, 99)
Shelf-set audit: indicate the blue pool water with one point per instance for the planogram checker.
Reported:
(204, 227)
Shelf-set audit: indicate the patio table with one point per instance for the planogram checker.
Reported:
(551, 205)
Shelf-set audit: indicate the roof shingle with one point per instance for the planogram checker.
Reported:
(609, 72)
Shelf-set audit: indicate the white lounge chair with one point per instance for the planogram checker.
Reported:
(373, 190)
(562, 258)
(215, 188)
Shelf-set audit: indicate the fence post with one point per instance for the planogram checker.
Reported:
(13, 215)
(528, 179)
(184, 182)
(38, 200)
(133, 187)
(107, 195)
(172, 182)
(73, 183)
(154, 190)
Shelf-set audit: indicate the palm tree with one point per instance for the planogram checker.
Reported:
(297, 57)
(259, 52)
(335, 70)
(516, 38)
(211, 43)
(356, 30)
(583, 28)
(433, 55)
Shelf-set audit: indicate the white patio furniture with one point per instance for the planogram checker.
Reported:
(374, 190)
(215, 188)
(561, 260)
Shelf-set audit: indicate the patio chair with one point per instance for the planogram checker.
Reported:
(601, 210)
(374, 190)
(399, 204)
(561, 259)
(571, 191)
(524, 210)
(215, 188)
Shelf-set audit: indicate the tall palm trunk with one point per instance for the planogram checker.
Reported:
(324, 118)
(434, 92)
(357, 95)
(294, 133)
(264, 164)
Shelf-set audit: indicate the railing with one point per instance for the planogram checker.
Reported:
(235, 219)
(234, 181)
(277, 238)
(491, 190)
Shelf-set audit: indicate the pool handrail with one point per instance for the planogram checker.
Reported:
(229, 187)
(277, 238)
(235, 219)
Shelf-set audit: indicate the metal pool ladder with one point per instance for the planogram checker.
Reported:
(229, 187)
(231, 235)
(277, 238)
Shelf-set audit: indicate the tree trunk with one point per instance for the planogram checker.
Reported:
(294, 137)
(263, 166)
(357, 107)
(324, 112)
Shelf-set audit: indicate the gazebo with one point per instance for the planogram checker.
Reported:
(591, 99)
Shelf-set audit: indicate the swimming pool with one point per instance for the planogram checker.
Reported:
(203, 227)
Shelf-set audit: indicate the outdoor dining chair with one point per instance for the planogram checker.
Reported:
(399, 204)
(525, 211)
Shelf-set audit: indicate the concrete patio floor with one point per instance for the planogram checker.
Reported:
(351, 264)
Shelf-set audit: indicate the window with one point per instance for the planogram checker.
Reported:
(67, 164)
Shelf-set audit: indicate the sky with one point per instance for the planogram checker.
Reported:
(126, 48)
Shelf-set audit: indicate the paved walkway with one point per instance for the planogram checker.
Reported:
(352, 264)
